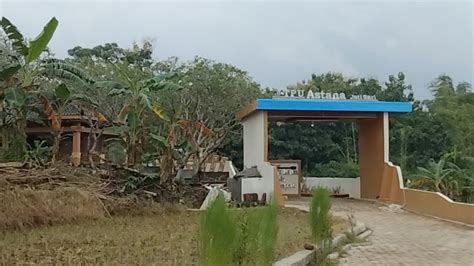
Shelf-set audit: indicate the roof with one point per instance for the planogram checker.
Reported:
(325, 106)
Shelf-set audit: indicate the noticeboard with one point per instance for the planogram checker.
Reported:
(290, 176)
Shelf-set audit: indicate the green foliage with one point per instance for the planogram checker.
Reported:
(38, 154)
(257, 236)
(14, 36)
(14, 97)
(133, 183)
(218, 234)
(15, 152)
(9, 70)
(115, 151)
(228, 239)
(336, 169)
(320, 218)
(443, 176)
(37, 45)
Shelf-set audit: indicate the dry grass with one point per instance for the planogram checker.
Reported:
(166, 238)
(25, 208)
(76, 220)
(64, 194)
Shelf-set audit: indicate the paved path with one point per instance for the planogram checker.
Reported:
(403, 238)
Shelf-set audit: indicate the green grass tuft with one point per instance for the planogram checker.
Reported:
(217, 235)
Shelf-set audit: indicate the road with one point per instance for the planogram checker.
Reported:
(404, 238)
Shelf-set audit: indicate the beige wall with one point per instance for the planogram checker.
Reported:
(371, 155)
(423, 202)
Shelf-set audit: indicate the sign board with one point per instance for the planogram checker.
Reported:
(320, 95)
(290, 176)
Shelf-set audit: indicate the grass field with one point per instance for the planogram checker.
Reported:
(168, 238)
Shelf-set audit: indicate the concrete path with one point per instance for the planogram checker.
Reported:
(404, 238)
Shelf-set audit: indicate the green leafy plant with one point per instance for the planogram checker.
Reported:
(38, 154)
(115, 150)
(443, 176)
(135, 182)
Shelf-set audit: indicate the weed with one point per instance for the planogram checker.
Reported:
(321, 224)
(320, 218)
(257, 236)
(217, 237)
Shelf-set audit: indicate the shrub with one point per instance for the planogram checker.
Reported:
(336, 169)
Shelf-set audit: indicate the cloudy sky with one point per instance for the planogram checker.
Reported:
(278, 43)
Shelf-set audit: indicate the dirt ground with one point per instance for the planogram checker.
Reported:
(168, 238)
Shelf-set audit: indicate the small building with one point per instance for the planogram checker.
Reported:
(75, 128)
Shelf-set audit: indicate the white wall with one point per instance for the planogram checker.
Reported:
(254, 139)
(254, 155)
(349, 186)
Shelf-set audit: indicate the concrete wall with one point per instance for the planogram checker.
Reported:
(350, 186)
(254, 138)
(423, 202)
(255, 154)
(372, 155)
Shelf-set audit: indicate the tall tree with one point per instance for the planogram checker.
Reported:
(212, 93)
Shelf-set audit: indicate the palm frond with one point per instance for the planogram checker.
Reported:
(61, 70)
(14, 36)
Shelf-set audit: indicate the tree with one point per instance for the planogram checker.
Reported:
(454, 105)
(111, 52)
(212, 93)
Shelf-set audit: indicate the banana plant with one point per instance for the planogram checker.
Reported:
(139, 93)
(441, 176)
(178, 144)
(27, 52)
(23, 72)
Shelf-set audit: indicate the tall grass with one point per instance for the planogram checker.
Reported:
(228, 239)
(320, 218)
(217, 235)
(257, 236)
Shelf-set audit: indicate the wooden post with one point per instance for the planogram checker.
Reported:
(76, 145)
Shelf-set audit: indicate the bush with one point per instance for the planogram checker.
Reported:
(336, 169)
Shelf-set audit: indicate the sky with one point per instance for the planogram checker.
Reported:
(278, 43)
